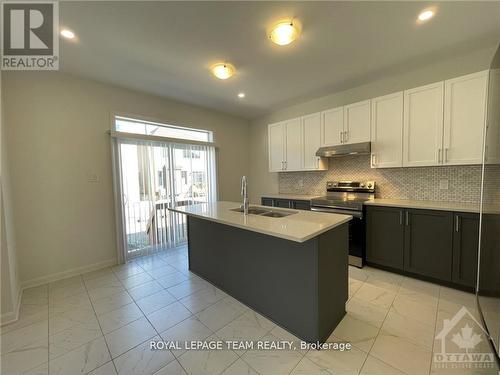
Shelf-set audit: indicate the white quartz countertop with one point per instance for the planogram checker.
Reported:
(299, 227)
(298, 197)
(427, 205)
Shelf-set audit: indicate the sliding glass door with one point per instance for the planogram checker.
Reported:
(154, 176)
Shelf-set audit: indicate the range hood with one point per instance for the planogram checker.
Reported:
(344, 150)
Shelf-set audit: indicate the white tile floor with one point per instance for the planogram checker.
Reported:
(101, 323)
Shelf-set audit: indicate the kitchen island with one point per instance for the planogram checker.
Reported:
(292, 269)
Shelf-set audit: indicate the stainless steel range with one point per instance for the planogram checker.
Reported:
(347, 197)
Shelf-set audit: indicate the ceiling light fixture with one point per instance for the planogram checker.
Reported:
(68, 34)
(284, 33)
(223, 70)
(425, 15)
(241, 95)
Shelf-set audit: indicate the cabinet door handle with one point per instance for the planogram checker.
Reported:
(340, 137)
(457, 224)
(407, 219)
(401, 217)
(346, 136)
(445, 155)
(439, 155)
(286, 165)
(373, 160)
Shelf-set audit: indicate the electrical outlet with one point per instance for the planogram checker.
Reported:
(443, 184)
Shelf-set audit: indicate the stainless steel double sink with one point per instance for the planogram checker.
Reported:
(252, 210)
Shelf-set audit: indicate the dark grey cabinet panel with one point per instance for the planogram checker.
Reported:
(286, 203)
(267, 202)
(385, 236)
(428, 243)
(301, 205)
(432, 244)
(465, 248)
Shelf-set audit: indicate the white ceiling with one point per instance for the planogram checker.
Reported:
(166, 48)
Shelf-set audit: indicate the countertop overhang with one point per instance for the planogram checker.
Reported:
(299, 227)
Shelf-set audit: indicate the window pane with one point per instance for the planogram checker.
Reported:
(160, 130)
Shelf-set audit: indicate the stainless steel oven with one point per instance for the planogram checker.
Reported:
(347, 198)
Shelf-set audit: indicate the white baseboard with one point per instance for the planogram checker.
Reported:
(12, 316)
(65, 274)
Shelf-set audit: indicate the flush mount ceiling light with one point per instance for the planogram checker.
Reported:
(223, 70)
(68, 34)
(284, 32)
(425, 15)
(241, 95)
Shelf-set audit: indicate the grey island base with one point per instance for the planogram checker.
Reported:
(300, 285)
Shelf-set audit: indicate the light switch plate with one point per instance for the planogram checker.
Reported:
(443, 184)
(92, 177)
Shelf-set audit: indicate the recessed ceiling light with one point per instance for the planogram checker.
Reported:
(426, 15)
(284, 33)
(68, 34)
(223, 70)
(241, 95)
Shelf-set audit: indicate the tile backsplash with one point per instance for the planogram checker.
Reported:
(421, 183)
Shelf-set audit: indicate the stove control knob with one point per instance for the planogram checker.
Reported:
(362, 185)
(369, 185)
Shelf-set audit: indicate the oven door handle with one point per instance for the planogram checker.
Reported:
(356, 214)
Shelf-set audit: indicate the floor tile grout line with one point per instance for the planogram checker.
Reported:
(304, 355)
(154, 328)
(387, 313)
(99, 323)
(368, 353)
(158, 333)
(434, 333)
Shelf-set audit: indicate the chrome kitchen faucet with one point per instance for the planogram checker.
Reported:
(244, 194)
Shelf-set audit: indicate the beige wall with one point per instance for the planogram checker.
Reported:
(9, 279)
(56, 129)
(264, 182)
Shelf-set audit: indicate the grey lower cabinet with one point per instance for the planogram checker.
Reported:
(429, 243)
(301, 205)
(286, 203)
(381, 248)
(465, 248)
(267, 201)
(436, 245)
(283, 203)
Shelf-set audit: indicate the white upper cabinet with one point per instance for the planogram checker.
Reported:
(357, 122)
(332, 127)
(293, 145)
(443, 123)
(492, 151)
(465, 118)
(423, 125)
(311, 128)
(387, 131)
(276, 144)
